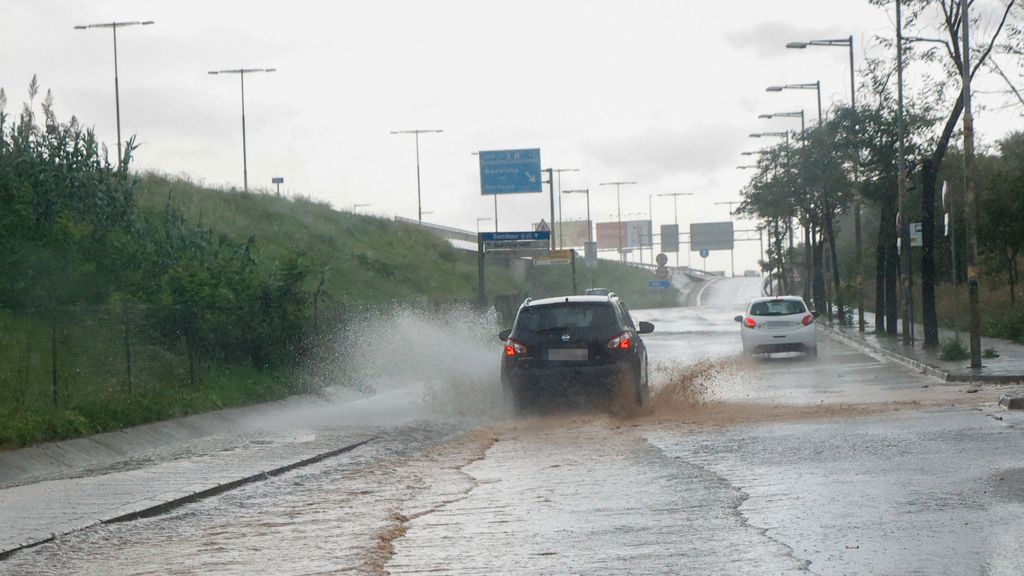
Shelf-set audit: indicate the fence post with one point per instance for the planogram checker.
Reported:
(53, 361)
(127, 345)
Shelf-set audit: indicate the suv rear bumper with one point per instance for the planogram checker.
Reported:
(559, 379)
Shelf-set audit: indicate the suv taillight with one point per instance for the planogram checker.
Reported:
(807, 320)
(750, 322)
(514, 348)
(620, 342)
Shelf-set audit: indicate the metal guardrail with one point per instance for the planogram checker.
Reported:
(446, 231)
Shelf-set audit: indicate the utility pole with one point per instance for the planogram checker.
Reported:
(970, 194)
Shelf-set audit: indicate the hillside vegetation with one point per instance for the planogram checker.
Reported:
(129, 298)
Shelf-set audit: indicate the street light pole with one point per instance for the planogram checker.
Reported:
(419, 195)
(117, 91)
(675, 208)
(241, 75)
(816, 86)
(561, 237)
(732, 252)
(590, 234)
(970, 194)
(902, 223)
(857, 199)
(618, 201)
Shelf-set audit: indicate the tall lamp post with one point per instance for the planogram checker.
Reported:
(675, 209)
(799, 115)
(857, 200)
(561, 237)
(618, 202)
(732, 252)
(419, 195)
(117, 91)
(241, 75)
(970, 192)
(816, 86)
(590, 235)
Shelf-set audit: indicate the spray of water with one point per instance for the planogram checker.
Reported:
(421, 362)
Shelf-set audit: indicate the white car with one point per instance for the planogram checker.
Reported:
(778, 324)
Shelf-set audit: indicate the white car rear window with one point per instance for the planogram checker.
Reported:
(777, 308)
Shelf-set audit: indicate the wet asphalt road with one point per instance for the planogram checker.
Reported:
(846, 465)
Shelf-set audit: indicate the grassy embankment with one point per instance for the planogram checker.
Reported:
(353, 261)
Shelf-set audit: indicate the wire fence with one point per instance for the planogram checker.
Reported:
(68, 355)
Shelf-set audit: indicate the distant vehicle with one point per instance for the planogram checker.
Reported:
(751, 274)
(778, 324)
(597, 292)
(582, 344)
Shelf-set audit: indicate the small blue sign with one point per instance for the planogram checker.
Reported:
(659, 284)
(516, 236)
(510, 171)
(704, 252)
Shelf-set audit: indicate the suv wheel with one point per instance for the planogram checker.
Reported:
(628, 394)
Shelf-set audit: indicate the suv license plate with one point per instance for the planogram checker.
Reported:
(567, 354)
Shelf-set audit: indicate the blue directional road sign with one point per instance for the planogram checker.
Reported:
(659, 284)
(704, 252)
(510, 171)
(516, 236)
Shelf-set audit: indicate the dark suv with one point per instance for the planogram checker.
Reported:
(582, 343)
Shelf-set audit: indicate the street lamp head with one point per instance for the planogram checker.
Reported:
(146, 23)
(773, 89)
(756, 135)
(766, 116)
(796, 45)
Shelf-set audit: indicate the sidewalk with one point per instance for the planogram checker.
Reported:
(1008, 367)
(50, 490)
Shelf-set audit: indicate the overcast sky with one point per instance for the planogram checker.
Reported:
(660, 92)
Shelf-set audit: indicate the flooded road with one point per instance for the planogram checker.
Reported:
(845, 465)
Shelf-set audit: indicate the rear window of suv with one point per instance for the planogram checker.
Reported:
(777, 308)
(597, 318)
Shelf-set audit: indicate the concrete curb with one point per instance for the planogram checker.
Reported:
(909, 362)
(155, 507)
(1011, 402)
(934, 371)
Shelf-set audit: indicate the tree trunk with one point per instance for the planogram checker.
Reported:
(880, 275)
(928, 311)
